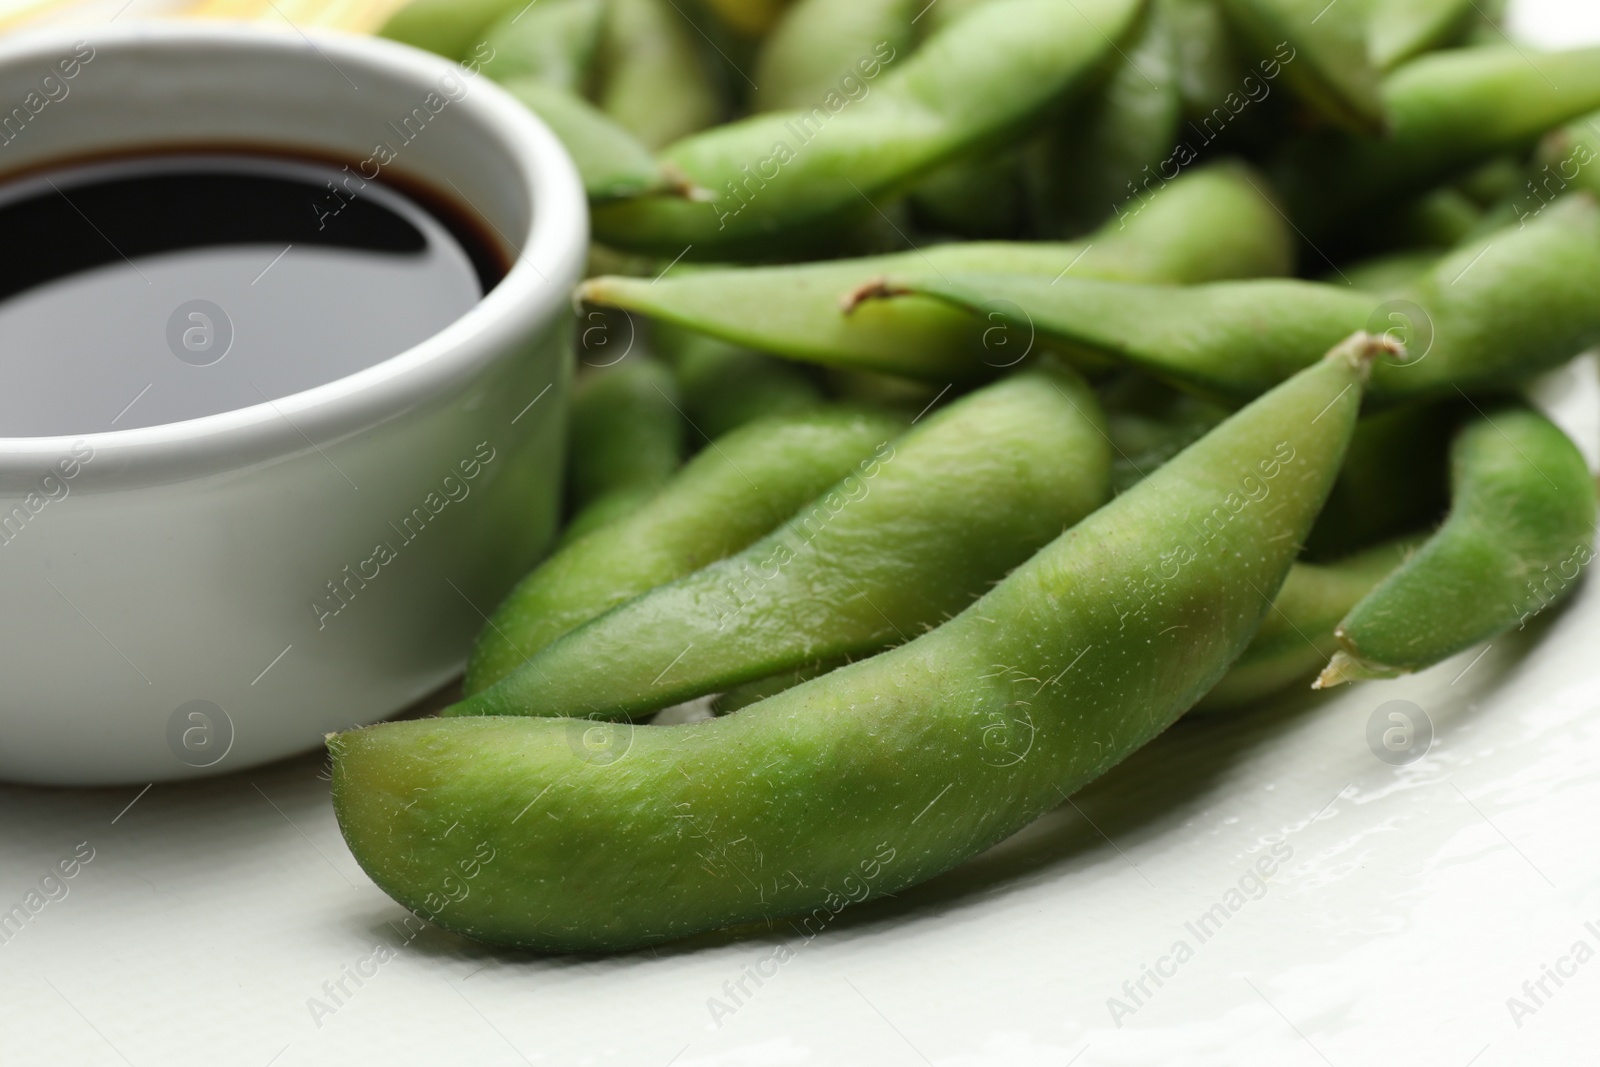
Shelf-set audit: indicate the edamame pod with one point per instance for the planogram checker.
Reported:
(824, 46)
(610, 160)
(625, 439)
(1389, 274)
(651, 78)
(1521, 529)
(1113, 140)
(1493, 312)
(1568, 160)
(721, 501)
(1446, 111)
(981, 197)
(1398, 30)
(1208, 68)
(1212, 223)
(1395, 479)
(752, 18)
(742, 696)
(723, 386)
(582, 836)
(450, 28)
(911, 537)
(1148, 423)
(1326, 64)
(554, 41)
(790, 179)
(1296, 638)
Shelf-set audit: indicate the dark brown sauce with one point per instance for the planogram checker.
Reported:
(162, 286)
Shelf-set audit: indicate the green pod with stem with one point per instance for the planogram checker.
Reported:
(785, 181)
(1447, 112)
(1293, 643)
(650, 76)
(723, 386)
(1212, 223)
(917, 532)
(1296, 638)
(717, 504)
(823, 46)
(1515, 303)
(625, 440)
(450, 28)
(1519, 533)
(578, 836)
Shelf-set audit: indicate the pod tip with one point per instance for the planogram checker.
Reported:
(1336, 673)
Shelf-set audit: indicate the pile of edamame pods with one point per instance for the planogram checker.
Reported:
(1009, 378)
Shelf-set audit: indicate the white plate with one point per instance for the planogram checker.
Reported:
(1414, 902)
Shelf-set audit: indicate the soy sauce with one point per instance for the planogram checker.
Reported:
(145, 291)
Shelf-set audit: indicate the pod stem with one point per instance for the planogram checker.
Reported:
(1344, 667)
(878, 288)
(680, 184)
(1361, 349)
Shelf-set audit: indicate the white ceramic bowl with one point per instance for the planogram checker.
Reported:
(202, 596)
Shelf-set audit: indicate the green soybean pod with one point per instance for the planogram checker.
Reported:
(1323, 51)
(625, 439)
(917, 532)
(555, 41)
(1395, 479)
(724, 386)
(979, 197)
(1565, 162)
(742, 696)
(1212, 223)
(876, 776)
(1208, 65)
(936, 17)
(1398, 30)
(1515, 303)
(1389, 273)
(1148, 422)
(751, 18)
(449, 27)
(1520, 530)
(1296, 638)
(785, 181)
(718, 503)
(1440, 219)
(611, 161)
(650, 75)
(1447, 111)
(1116, 139)
(823, 46)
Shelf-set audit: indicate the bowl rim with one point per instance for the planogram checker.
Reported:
(546, 260)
